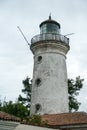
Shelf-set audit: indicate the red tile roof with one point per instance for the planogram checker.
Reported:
(74, 118)
(54, 120)
(5, 116)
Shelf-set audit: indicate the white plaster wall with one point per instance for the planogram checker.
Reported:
(52, 94)
(29, 127)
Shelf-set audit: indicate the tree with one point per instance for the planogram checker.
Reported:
(0, 104)
(27, 83)
(74, 87)
(17, 109)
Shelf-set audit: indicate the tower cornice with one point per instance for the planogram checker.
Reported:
(49, 46)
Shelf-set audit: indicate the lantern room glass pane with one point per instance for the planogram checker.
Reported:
(49, 28)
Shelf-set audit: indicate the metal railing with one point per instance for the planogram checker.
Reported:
(48, 37)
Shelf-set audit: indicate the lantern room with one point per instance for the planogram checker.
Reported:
(50, 26)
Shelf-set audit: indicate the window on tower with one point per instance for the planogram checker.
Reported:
(37, 107)
(39, 59)
(38, 82)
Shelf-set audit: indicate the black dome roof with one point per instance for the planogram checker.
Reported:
(50, 21)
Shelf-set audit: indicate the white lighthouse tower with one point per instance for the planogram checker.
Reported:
(49, 85)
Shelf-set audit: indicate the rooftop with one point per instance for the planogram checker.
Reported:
(50, 21)
(63, 120)
(74, 118)
(8, 117)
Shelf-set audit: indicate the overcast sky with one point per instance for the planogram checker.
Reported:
(16, 59)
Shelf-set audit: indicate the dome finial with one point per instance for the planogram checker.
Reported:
(50, 16)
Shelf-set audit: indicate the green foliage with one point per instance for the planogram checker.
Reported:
(27, 91)
(74, 87)
(16, 109)
(35, 119)
(21, 107)
(0, 105)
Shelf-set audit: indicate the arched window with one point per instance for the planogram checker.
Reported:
(38, 82)
(39, 59)
(38, 107)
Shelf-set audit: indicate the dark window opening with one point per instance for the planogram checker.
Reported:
(38, 82)
(37, 107)
(39, 58)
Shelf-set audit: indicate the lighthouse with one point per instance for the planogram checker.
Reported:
(49, 84)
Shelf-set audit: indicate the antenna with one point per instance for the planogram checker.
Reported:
(50, 16)
(23, 35)
(69, 34)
